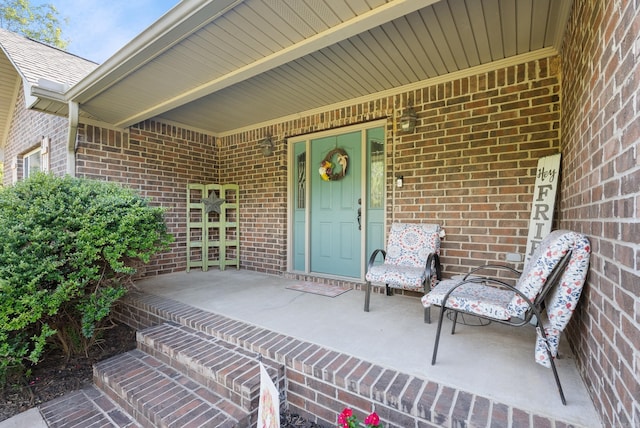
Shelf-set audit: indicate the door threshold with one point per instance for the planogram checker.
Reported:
(353, 283)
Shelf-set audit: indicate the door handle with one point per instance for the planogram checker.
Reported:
(359, 214)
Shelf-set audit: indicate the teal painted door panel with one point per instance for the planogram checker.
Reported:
(335, 236)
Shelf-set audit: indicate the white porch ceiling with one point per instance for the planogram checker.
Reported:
(224, 65)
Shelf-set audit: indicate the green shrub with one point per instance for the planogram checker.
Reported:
(68, 249)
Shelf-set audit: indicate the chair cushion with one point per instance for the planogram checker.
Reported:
(407, 277)
(562, 300)
(553, 341)
(410, 244)
(408, 248)
(539, 267)
(472, 297)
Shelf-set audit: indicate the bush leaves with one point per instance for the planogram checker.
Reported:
(68, 248)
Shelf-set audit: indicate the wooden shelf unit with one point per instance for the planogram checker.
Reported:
(213, 239)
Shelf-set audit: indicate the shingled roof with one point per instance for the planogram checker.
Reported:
(33, 64)
(34, 60)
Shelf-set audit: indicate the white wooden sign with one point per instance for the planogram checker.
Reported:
(269, 404)
(544, 201)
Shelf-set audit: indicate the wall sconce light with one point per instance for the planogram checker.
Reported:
(399, 181)
(266, 145)
(408, 120)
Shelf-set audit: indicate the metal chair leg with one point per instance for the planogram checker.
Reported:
(435, 346)
(427, 315)
(455, 320)
(555, 375)
(540, 328)
(367, 296)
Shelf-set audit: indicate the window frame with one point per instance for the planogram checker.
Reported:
(26, 161)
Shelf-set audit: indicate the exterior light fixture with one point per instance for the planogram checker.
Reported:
(266, 145)
(408, 120)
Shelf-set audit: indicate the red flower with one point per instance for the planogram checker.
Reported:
(372, 420)
(347, 419)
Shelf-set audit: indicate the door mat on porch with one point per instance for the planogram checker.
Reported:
(321, 289)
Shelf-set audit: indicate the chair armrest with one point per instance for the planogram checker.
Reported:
(372, 259)
(494, 267)
(433, 259)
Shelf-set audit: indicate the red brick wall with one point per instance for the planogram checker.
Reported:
(25, 134)
(159, 161)
(601, 197)
(470, 165)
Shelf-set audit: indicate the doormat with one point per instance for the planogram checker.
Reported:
(321, 289)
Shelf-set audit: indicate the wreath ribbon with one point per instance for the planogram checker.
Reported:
(327, 165)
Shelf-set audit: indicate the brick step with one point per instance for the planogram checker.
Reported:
(157, 395)
(229, 370)
(88, 407)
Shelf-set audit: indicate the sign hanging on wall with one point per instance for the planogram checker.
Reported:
(544, 201)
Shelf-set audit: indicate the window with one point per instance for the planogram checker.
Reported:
(32, 162)
(376, 174)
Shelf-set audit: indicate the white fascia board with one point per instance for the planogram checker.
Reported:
(171, 28)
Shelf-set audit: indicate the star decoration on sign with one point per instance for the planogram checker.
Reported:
(212, 203)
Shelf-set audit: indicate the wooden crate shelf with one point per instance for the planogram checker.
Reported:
(213, 239)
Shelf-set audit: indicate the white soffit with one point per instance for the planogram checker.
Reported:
(224, 65)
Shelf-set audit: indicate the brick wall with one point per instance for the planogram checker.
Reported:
(601, 197)
(158, 160)
(25, 134)
(469, 166)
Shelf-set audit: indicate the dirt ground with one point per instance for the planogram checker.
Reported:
(54, 377)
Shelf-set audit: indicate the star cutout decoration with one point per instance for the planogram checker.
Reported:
(212, 203)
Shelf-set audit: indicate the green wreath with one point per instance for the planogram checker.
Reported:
(326, 170)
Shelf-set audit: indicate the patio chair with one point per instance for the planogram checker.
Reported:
(546, 293)
(411, 261)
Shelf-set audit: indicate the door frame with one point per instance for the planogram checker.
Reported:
(311, 169)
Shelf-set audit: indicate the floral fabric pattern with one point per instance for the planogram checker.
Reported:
(471, 297)
(562, 300)
(475, 297)
(408, 248)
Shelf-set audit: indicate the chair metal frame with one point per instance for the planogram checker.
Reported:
(536, 307)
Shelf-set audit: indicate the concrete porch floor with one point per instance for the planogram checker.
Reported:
(493, 361)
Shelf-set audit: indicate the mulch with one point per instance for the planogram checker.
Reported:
(54, 376)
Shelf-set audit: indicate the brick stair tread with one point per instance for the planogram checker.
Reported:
(228, 369)
(155, 394)
(85, 408)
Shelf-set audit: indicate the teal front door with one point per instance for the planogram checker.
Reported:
(335, 215)
(336, 223)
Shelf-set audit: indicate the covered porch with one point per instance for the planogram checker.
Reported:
(491, 367)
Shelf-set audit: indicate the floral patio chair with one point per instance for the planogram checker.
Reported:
(411, 261)
(547, 292)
